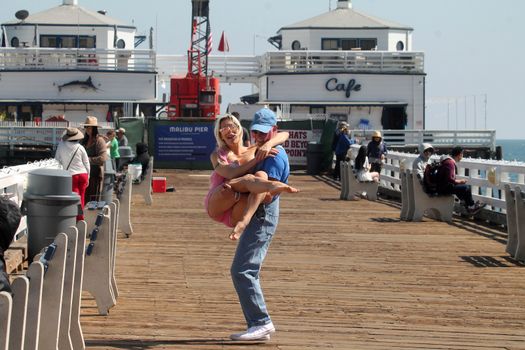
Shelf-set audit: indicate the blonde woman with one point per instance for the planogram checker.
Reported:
(232, 198)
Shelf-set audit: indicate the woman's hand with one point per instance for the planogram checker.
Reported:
(264, 152)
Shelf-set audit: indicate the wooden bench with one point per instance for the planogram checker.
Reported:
(420, 203)
(351, 188)
(99, 264)
(144, 187)
(515, 203)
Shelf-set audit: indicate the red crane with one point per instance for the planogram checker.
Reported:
(196, 95)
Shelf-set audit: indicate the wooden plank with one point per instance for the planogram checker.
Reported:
(339, 274)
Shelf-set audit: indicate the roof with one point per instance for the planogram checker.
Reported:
(69, 15)
(345, 18)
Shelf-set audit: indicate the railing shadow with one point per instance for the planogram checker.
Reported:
(148, 344)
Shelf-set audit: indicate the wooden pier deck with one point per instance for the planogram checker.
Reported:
(339, 275)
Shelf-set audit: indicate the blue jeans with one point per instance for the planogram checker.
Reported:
(251, 251)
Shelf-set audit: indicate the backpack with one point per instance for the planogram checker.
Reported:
(431, 177)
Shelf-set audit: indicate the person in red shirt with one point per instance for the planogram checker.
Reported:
(449, 184)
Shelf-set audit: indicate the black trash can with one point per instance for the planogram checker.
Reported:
(51, 207)
(109, 181)
(126, 155)
(314, 158)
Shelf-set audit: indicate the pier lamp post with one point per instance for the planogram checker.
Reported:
(255, 36)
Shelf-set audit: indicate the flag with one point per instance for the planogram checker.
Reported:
(223, 44)
(209, 43)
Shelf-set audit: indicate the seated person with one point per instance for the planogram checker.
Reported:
(142, 157)
(448, 184)
(362, 167)
(9, 220)
(420, 163)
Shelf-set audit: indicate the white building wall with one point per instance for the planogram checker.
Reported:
(312, 38)
(403, 36)
(110, 86)
(104, 35)
(75, 113)
(376, 88)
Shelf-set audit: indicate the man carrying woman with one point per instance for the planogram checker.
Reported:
(234, 194)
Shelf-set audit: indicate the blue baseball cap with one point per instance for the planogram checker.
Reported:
(263, 120)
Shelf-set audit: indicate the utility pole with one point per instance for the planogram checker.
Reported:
(485, 111)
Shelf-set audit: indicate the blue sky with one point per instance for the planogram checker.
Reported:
(472, 48)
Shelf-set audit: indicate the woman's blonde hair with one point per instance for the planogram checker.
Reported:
(217, 131)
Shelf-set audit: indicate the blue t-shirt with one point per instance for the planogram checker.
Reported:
(277, 168)
(343, 144)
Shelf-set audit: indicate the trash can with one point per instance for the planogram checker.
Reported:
(126, 155)
(314, 158)
(50, 206)
(109, 182)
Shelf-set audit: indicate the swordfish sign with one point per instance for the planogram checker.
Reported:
(333, 84)
(84, 84)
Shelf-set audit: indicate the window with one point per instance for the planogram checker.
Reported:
(296, 45)
(68, 41)
(121, 44)
(349, 44)
(400, 46)
(15, 42)
(317, 109)
(330, 44)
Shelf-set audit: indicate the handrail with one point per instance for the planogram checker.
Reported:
(39, 58)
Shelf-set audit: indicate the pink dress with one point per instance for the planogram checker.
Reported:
(216, 181)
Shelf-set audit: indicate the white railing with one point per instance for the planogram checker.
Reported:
(443, 138)
(228, 67)
(75, 59)
(231, 67)
(487, 177)
(38, 133)
(343, 61)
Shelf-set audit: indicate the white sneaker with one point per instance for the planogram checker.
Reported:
(255, 333)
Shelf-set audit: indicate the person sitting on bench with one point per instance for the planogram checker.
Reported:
(420, 163)
(362, 167)
(448, 184)
(9, 220)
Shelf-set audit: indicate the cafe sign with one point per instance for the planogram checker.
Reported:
(333, 84)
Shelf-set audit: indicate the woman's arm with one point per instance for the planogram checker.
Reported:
(227, 170)
(277, 139)
(102, 155)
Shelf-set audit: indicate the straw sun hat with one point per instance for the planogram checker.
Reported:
(91, 121)
(72, 134)
(376, 134)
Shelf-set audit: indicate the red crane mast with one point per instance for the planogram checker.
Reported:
(196, 95)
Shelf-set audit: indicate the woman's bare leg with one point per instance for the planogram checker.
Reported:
(222, 199)
(243, 212)
(255, 184)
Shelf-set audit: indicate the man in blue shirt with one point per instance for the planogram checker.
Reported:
(254, 242)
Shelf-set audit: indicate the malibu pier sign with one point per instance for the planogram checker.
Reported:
(333, 84)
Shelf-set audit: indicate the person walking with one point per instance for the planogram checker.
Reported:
(95, 145)
(376, 152)
(255, 241)
(73, 158)
(335, 140)
(112, 146)
(341, 150)
(121, 138)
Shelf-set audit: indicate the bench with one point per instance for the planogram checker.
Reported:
(99, 264)
(144, 187)
(350, 186)
(420, 203)
(515, 203)
(6, 305)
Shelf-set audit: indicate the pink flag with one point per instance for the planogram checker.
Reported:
(223, 44)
